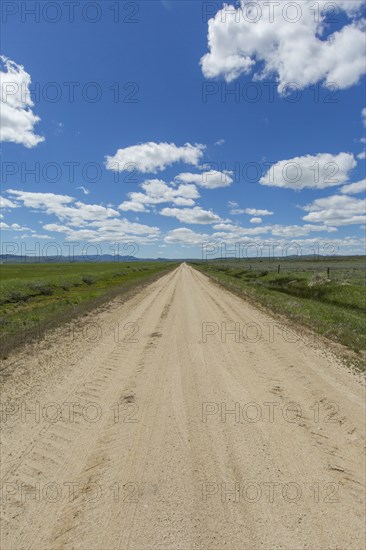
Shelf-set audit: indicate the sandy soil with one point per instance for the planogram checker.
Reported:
(181, 418)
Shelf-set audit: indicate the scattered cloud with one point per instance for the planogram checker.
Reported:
(255, 220)
(234, 235)
(157, 192)
(153, 157)
(251, 211)
(17, 119)
(354, 188)
(310, 171)
(288, 43)
(35, 236)
(363, 113)
(84, 222)
(227, 226)
(133, 205)
(185, 236)
(83, 189)
(77, 214)
(230, 232)
(336, 210)
(290, 231)
(6, 203)
(41, 200)
(211, 179)
(113, 230)
(196, 215)
(13, 227)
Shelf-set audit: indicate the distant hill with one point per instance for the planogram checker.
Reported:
(13, 259)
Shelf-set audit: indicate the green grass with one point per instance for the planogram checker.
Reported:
(34, 296)
(334, 307)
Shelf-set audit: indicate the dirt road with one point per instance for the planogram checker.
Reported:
(181, 418)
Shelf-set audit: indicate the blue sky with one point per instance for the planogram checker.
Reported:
(165, 89)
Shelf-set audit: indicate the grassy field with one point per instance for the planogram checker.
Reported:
(332, 303)
(36, 296)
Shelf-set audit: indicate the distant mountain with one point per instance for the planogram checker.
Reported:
(13, 258)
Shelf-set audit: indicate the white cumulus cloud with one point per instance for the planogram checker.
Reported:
(191, 215)
(157, 192)
(7, 203)
(152, 157)
(354, 188)
(336, 210)
(17, 119)
(288, 40)
(211, 179)
(13, 227)
(186, 237)
(64, 207)
(251, 211)
(310, 171)
(85, 222)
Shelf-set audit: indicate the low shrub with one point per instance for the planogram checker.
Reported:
(88, 280)
(16, 296)
(42, 289)
(65, 286)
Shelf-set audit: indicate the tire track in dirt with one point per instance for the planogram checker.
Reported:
(174, 462)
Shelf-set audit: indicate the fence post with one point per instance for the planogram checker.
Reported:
(279, 269)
